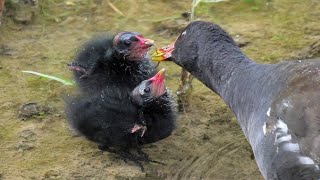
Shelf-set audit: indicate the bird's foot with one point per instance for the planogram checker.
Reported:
(141, 123)
(125, 155)
(146, 157)
(75, 67)
(138, 127)
(137, 158)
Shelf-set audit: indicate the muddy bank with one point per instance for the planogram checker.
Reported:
(208, 142)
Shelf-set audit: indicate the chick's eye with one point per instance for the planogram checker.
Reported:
(147, 89)
(127, 42)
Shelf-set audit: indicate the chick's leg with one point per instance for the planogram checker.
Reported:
(141, 124)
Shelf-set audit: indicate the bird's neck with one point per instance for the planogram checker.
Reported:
(161, 104)
(227, 71)
(246, 87)
(217, 64)
(161, 108)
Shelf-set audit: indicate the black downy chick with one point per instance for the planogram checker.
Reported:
(156, 108)
(113, 121)
(107, 60)
(113, 64)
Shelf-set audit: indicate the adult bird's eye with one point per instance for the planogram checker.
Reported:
(127, 42)
(147, 89)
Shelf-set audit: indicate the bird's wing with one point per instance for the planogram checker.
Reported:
(294, 117)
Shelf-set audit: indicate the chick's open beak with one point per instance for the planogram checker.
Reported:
(159, 77)
(148, 42)
(158, 88)
(145, 41)
(163, 54)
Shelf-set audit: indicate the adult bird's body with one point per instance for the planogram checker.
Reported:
(276, 105)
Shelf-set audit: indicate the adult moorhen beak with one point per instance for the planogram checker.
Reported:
(163, 54)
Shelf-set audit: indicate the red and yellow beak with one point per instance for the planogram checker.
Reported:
(163, 54)
(145, 41)
(159, 76)
(157, 83)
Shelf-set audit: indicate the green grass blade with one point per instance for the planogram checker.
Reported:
(213, 1)
(196, 2)
(63, 81)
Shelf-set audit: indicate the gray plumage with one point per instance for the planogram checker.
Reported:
(276, 105)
